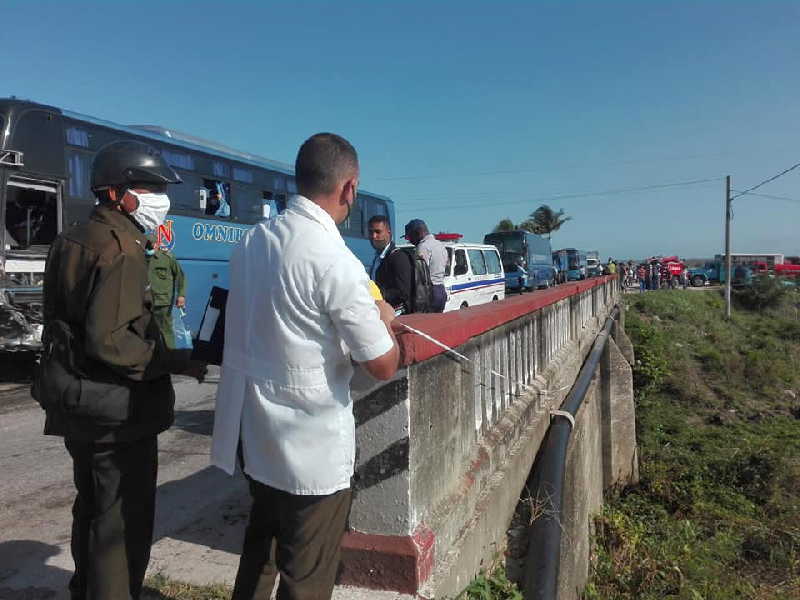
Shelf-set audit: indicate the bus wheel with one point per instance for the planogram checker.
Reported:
(495, 299)
(464, 305)
(698, 281)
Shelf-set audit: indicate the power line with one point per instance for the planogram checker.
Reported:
(402, 208)
(551, 169)
(766, 181)
(559, 196)
(770, 196)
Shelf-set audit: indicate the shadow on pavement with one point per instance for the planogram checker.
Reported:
(17, 367)
(200, 422)
(50, 580)
(219, 524)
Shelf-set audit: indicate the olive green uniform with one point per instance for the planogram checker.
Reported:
(104, 383)
(167, 283)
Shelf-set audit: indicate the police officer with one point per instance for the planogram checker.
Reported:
(168, 285)
(104, 375)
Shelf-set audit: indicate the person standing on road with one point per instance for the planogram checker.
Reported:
(168, 285)
(391, 268)
(641, 273)
(434, 253)
(104, 374)
(655, 275)
(299, 310)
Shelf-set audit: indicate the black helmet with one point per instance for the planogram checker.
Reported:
(122, 163)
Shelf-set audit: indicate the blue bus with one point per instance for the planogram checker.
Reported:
(571, 264)
(526, 259)
(45, 160)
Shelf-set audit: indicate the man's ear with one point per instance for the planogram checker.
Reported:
(128, 202)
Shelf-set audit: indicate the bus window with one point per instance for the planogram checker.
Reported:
(219, 198)
(268, 198)
(477, 262)
(242, 175)
(280, 202)
(79, 164)
(81, 197)
(353, 225)
(291, 185)
(249, 205)
(178, 159)
(220, 169)
(376, 206)
(31, 214)
(77, 137)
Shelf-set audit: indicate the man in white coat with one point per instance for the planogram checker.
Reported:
(299, 309)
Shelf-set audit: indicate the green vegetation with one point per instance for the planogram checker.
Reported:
(494, 585)
(160, 587)
(764, 292)
(717, 512)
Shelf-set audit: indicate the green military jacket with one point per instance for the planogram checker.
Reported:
(167, 280)
(97, 289)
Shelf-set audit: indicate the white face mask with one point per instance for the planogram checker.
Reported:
(152, 210)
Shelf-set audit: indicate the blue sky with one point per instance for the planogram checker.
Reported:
(463, 112)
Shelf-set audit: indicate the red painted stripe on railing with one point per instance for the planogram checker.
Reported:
(457, 327)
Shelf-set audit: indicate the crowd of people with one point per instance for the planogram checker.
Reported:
(650, 274)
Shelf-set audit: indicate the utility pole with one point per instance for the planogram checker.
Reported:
(728, 247)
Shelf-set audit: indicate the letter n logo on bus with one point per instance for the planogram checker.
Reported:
(166, 236)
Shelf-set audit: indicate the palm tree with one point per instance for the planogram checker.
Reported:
(505, 225)
(529, 225)
(544, 221)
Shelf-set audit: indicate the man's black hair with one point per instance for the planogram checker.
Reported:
(323, 161)
(380, 219)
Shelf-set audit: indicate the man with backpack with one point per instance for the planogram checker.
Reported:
(433, 252)
(392, 269)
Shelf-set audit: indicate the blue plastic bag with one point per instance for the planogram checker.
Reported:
(183, 337)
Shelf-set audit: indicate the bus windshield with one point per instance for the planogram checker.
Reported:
(573, 259)
(511, 242)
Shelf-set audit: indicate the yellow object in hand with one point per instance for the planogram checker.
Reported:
(375, 290)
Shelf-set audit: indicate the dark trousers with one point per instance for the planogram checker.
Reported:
(298, 536)
(438, 298)
(112, 527)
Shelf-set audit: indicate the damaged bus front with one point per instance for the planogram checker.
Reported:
(31, 180)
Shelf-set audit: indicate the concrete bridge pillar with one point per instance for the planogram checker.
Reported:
(445, 449)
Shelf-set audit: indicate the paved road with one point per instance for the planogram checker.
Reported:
(200, 516)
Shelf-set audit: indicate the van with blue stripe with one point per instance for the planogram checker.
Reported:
(474, 275)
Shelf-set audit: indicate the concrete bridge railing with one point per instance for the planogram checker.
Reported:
(445, 448)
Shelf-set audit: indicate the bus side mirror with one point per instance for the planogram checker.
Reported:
(201, 196)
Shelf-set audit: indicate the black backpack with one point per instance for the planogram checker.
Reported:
(421, 284)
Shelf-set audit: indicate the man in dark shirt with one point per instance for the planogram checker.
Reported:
(391, 267)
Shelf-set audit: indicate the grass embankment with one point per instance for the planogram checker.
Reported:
(717, 512)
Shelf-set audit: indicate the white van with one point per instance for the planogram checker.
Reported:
(474, 275)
